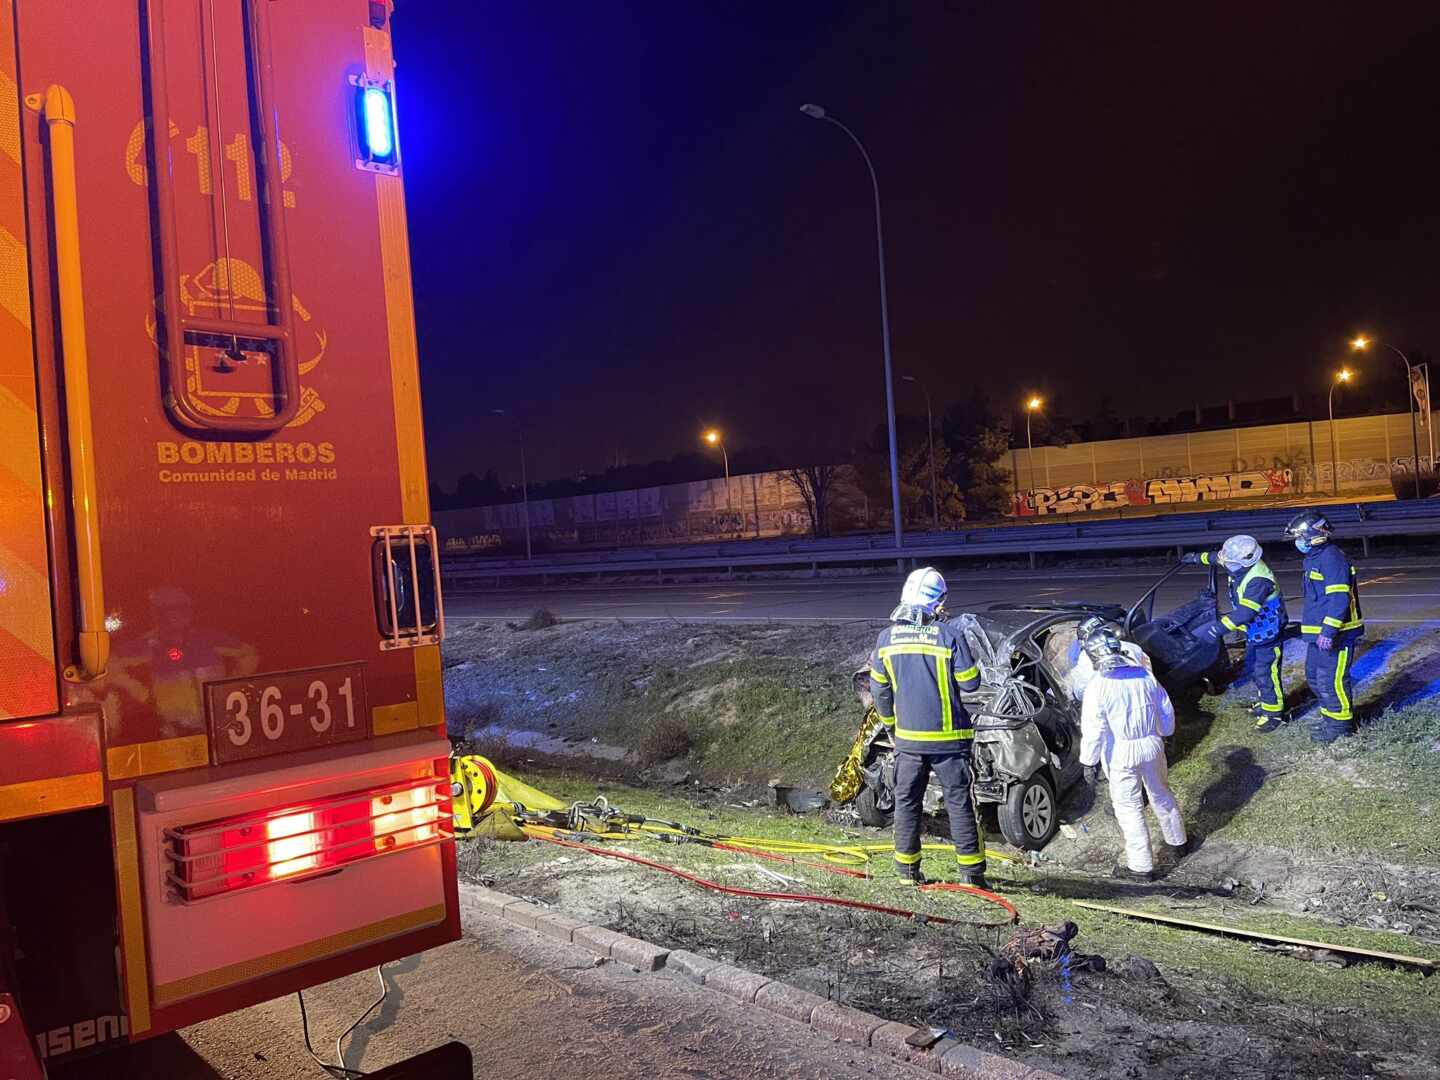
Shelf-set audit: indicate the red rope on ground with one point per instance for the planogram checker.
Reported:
(801, 898)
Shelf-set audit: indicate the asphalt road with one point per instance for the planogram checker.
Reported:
(528, 1008)
(1396, 593)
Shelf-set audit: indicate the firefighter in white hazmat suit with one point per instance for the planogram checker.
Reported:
(1125, 718)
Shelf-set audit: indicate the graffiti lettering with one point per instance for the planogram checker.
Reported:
(1221, 486)
(1160, 490)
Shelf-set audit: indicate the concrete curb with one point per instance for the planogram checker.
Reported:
(947, 1057)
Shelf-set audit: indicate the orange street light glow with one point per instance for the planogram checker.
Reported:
(712, 437)
(1343, 375)
(1360, 342)
(1033, 404)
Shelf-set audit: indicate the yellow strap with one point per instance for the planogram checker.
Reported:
(969, 673)
(908, 858)
(1315, 575)
(1251, 604)
(1337, 588)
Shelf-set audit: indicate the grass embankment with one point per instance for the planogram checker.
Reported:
(1376, 792)
(745, 720)
(1230, 970)
(791, 716)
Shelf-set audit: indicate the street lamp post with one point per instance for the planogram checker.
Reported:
(1361, 343)
(1031, 405)
(1341, 376)
(524, 478)
(930, 434)
(815, 112)
(714, 438)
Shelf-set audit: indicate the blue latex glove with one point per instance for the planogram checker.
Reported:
(1325, 641)
(1190, 558)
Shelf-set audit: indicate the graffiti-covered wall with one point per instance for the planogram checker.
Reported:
(1217, 466)
(755, 505)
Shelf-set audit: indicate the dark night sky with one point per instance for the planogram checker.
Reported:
(622, 225)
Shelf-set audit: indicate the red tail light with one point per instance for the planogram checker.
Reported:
(296, 842)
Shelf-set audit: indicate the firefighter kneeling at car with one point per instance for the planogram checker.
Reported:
(919, 666)
(1331, 622)
(1124, 722)
(1257, 609)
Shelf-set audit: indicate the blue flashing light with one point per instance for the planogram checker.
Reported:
(379, 123)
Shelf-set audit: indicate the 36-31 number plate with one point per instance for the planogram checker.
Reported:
(287, 711)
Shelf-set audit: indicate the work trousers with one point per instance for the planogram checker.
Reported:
(1126, 784)
(1262, 666)
(1331, 681)
(912, 774)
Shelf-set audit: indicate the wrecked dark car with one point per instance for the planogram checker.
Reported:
(1025, 715)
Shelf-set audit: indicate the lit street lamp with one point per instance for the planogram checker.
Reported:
(1341, 376)
(1360, 344)
(714, 438)
(1031, 404)
(930, 433)
(524, 479)
(815, 112)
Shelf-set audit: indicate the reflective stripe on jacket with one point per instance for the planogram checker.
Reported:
(1332, 595)
(1257, 606)
(916, 674)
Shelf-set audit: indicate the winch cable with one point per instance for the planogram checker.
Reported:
(547, 834)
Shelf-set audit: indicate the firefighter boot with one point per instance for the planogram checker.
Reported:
(1328, 730)
(910, 875)
(1267, 721)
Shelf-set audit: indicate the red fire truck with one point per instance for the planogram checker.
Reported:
(222, 750)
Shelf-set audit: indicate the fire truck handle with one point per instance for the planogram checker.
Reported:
(94, 640)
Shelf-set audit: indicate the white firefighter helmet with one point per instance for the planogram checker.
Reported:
(1240, 553)
(923, 594)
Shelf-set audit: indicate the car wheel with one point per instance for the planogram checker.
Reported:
(1030, 814)
(866, 805)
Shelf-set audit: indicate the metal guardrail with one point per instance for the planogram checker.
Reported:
(1352, 521)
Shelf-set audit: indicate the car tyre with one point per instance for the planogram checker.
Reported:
(1030, 815)
(867, 806)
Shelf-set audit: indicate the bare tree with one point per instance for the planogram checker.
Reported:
(815, 483)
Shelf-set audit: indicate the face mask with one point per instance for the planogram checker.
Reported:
(1304, 546)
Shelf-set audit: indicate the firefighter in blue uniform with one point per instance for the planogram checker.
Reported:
(1331, 623)
(919, 666)
(1257, 609)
